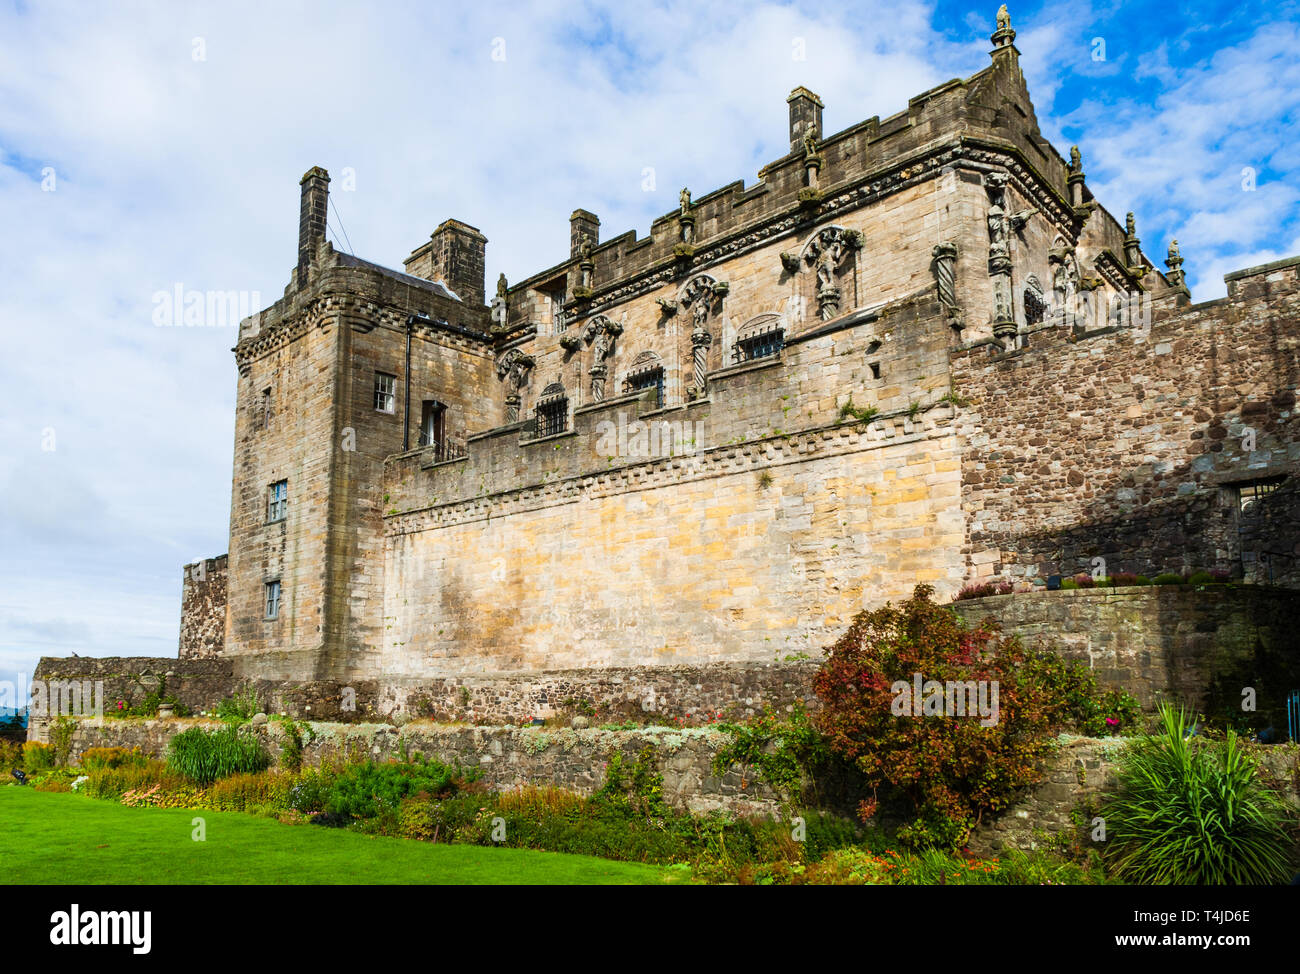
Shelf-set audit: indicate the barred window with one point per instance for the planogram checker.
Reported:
(761, 345)
(648, 379)
(1035, 303)
(273, 599)
(277, 503)
(1249, 495)
(385, 392)
(552, 415)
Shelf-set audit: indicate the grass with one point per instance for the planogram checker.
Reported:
(48, 838)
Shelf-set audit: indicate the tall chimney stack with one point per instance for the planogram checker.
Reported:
(312, 213)
(805, 113)
(583, 225)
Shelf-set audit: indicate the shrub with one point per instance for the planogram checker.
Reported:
(366, 790)
(952, 770)
(1077, 702)
(1069, 583)
(1142, 580)
(1123, 578)
(1200, 578)
(782, 752)
(38, 757)
(1169, 578)
(113, 783)
(204, 756)
(981, 590)
(1084, 580)
(240, 707)
(1193, 811)
(243, 792)
(110, 757)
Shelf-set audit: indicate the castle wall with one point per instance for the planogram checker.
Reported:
(755, 534)
(203, 608)
(1128, 444)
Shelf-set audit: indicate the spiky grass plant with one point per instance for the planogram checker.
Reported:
(1194, 811)
(204, 756)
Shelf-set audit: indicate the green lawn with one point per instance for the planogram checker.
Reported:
(64, 838)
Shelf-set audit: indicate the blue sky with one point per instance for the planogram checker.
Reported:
(171, 169)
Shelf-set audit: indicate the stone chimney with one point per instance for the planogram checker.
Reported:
(454, 255)
(583, 224)
(805, 113)
(312, 213)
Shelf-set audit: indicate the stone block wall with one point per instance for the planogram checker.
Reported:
(203, 608)
(1133, 444)
(1200, 645)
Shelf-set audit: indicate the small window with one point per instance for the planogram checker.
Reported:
(385, 392)
(273, 599)
(1035, 303)
(552, 417)
(433, 423)
(277, 502)
(761, 345)
(875, 370)
(264, 416)
(649, 379)
(1249, 495)
(559, 320)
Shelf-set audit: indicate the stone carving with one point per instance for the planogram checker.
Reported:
(585, 266)
(1001, 225)
(827, 251)
(685, 198)
(810, 143)
(1175, 264)
(790, 262)
(1004, 18)
(1065, 275)
(667, 306)
(699, 295)
(500, 309)
(600, 333)
(945, 260)
(1076, 160)
(1132, 246)
(513, 367)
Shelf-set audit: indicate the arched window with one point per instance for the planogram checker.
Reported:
(552, 410)
(646, 372)
(1035, 303)
(759, 337)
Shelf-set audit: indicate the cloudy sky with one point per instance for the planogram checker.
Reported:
(146, 146)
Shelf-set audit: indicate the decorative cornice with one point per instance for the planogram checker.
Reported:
(870, 188)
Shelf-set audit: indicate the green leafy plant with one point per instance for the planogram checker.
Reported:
(781, 751)
(1195, 811)
(240, 707)
(204, 756)
(863, 414)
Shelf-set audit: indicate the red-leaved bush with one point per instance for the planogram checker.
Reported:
(953, 769)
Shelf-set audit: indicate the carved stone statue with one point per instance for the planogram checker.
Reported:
(1076, 160)
(499, 309)
(1130, 225)
(810, 142)
(1004, 18)
(685, 198)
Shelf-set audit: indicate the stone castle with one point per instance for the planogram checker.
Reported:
(917, 350)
